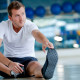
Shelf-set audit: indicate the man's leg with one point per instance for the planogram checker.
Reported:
(34, 68)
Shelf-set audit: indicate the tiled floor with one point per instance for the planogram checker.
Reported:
(68, 67)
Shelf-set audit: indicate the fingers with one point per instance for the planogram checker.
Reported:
(16, 67)
(43, 47)
(47, 44)
(19, 68)
(16, 70)
(20, 64)
(50, 45)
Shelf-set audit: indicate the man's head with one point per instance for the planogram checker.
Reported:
(14, 5)
(16, 11)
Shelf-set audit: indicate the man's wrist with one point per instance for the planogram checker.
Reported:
(46, 42)
(9, 63)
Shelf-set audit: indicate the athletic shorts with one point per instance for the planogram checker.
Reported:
(25, 61)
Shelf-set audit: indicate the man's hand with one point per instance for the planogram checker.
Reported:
(47, 44)
(42, 39)
(15, 67)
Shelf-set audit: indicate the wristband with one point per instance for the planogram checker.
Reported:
(9, 64)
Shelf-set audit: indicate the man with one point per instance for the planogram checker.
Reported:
(18, 35)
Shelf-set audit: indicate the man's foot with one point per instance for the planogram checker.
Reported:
(50, 64)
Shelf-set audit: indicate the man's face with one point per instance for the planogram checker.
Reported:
(18, 17)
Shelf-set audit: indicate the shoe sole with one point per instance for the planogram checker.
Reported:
(52, 59)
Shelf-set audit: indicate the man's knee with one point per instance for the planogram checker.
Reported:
(33, 64)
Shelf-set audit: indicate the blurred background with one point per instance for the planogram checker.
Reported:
(58, 20)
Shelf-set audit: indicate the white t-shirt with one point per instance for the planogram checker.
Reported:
(19, 44)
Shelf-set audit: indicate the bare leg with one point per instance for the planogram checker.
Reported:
(34, 68)
(47, 71)
(4, 69)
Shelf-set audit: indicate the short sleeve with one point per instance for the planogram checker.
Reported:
(2, 29)
(32, 26)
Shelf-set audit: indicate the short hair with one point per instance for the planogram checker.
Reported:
(14, 5)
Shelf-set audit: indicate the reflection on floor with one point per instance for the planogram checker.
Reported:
(68, 67)
(67, 72)
(62, 72)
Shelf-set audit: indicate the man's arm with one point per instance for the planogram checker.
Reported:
(12, 65)
(3, 59)
(5, 69)
(42, 39)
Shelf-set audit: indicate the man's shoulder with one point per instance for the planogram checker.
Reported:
(5, 22)
(28, 22)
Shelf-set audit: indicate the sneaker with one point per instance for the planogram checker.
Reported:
(50, 64)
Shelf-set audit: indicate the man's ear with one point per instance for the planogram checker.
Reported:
(10, 18)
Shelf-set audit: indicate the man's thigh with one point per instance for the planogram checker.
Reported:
(26, 64)
(34, 69)
(25, 61)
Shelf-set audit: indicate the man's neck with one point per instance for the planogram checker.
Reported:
(16, 29)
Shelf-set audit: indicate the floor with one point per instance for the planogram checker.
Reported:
(68, 66)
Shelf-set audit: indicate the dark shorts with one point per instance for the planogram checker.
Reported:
(25, 61)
